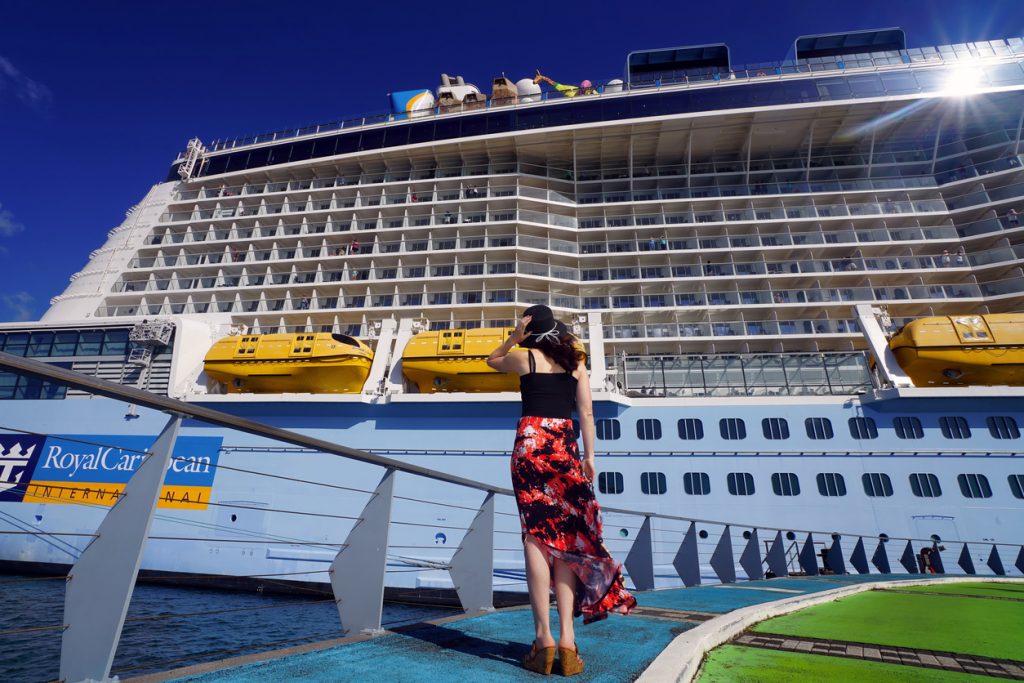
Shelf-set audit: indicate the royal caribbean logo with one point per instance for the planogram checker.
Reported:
(94, 469)
(18, 456)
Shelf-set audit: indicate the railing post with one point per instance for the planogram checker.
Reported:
(834, 557)
(640, 560)
(722, 559)
(357, 573)
(995, 563)
(472, 566)
(881, 559)
(859, 557)
(808, 559)
(908, 560)
(101, 582)
(966, 562)
(687, 560)
(750, 558)
(776, 557)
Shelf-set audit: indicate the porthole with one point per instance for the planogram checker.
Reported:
(702, 533)
(234, 518)
(746, 535)
(624, 533)
(790, 536)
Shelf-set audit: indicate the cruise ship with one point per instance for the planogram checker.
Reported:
(739, 248)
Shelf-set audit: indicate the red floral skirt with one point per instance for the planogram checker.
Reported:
(558, 509)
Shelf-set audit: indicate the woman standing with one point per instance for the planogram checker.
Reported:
(554, 489)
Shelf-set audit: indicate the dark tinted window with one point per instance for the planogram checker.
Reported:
(877, 484)
(974, 485)
(610, 482)
(908, 427)
(954, 427)
(1016, 482)
(831, 484)
(818, 427)
(740, 483)
(1002, 427)
(690, 429)
(39, 344)
(648, 429)
(775, 428)
(607, 429)
(785, 484)
(863, 428)
(696, 484)
(732, 428)
(653, 483)
(925, 485)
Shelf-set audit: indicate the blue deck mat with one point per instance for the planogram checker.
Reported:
(485, 648)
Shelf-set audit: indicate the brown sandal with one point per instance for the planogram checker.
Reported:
(570, 660)
(540, 659)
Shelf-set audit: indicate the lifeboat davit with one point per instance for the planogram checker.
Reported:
(305, 363)
(962, 350)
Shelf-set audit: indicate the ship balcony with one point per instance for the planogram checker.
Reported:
(455, 293)
(250, 244)
(717, 259)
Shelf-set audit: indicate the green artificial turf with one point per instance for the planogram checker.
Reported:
(990, 628)
(981, 589)
(735, 663)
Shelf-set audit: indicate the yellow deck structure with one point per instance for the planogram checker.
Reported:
(456, 360)
(965, 350)
(307, 363)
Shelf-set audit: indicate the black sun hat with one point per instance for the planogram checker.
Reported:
(542, 326)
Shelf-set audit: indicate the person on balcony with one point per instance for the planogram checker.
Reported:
(554, 489)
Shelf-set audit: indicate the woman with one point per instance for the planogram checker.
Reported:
(554, 489)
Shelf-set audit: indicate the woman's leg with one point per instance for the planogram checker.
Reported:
(565, 594)
(538, 579)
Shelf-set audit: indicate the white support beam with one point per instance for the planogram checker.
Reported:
(890, 370)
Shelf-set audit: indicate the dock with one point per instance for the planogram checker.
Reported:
(665, 639)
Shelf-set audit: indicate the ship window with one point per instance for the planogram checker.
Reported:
(608, 429)
(818, 427)
(974, 485)
(696, 484)
(925, 485)
(610, 482)
(115, 342)
(648, 429)
(877, 484)
(8, 380)
(1002, 427)
(39, 344)
(785, 484)
(17, 342)
(954, 427)
(775, 428)
(690, 429)
(732, 428)
(89, 343)
(863, 428)
(740, 483)
(831, 484)
(653, 483)
(64, 343)
(1016, 482)
(908, 427)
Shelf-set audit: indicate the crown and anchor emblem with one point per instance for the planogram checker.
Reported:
(12, 465)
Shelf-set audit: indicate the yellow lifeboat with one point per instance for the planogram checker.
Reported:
(307, 363)
(456, 360)
(965, 350)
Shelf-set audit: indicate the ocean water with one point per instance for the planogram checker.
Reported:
(153, 640)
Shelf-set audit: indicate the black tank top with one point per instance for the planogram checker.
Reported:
(547, 394)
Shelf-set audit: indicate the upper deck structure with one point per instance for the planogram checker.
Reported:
(698, 205)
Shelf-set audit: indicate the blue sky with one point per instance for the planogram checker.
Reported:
(96, 98)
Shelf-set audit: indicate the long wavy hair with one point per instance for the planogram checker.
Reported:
(566, 351)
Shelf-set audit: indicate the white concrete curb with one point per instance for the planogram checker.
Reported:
(681, 660)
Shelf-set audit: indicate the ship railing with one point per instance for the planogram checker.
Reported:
(984, 56)
(464, 528)
(789, 374)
